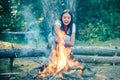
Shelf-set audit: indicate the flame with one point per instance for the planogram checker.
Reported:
(60, 60)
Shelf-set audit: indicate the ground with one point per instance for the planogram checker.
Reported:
(24, 67)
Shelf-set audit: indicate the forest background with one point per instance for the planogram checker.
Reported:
(96, 20)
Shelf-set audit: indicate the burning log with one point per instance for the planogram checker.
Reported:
(95, 50)
(98, 59)
(60, 59)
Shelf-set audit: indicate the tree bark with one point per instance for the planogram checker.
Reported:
(95, 50)
(77, 50)
(97, 59)
(52, 10)
(26, 52)
(82, 53)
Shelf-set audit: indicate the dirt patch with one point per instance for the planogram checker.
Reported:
(25, 68)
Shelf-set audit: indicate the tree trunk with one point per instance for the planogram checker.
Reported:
(95, 50)
(52, 10)
(26, 52)
(77, 50)
(84, 54)
(97, 59)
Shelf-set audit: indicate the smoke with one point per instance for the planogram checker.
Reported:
(32, 29)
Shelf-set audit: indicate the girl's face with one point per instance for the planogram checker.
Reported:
(66, 18)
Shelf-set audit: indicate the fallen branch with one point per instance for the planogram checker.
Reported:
(77, 50)
(4, 74)
(25, 52)
(96, 50)
(97, 59)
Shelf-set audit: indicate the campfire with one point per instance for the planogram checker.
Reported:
(61, 60)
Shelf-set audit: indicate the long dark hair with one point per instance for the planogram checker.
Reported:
(70, 24)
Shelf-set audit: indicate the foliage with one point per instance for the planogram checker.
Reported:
(98, 20)
(12, 19)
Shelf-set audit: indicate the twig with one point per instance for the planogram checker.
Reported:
(37, 62)
(15, 73)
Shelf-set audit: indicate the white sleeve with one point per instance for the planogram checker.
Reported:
(73, 28)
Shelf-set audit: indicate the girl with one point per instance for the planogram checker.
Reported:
(65, 24)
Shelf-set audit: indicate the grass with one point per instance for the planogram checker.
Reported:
(115, 42)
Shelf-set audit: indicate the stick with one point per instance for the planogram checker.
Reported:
(15, 73)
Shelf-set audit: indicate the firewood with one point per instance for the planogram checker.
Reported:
(72, 74)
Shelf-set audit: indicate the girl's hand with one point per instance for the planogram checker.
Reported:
(57, 23)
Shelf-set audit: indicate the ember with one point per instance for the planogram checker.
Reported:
(60, 59)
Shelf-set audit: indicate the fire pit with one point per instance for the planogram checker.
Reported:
(61, 64)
